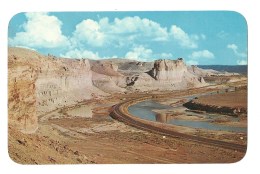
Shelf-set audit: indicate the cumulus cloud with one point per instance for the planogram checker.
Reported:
(242, 62)
(43, 31)
(122, 32)
(40, 31)
(139, 53)
(234, 48)
(184, 39)
(145, 27)
(118, 32)
(89, 31)
(80, 54)
(130, 30)
(202, 54)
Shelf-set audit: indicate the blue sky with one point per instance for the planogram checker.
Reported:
(207, 37)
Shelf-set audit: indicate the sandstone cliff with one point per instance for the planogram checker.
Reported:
(105, 67)
(142, 76)
(22, 75)
(38, 84)
(175, 74)
(165, 70)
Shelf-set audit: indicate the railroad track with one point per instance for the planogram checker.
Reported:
(119, 114)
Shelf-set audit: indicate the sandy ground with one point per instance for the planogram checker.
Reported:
(70, 136)
(229, 99)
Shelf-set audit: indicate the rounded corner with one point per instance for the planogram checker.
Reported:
(241, 15)
(12, 159)
(242, 158)
(16, 14)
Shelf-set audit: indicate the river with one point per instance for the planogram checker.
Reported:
(145, 111)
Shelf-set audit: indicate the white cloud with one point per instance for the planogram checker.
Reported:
(142, 27)
(85, 54)
(184, 40)
(40, 31)
(118, 32)
(110, 57)
(192, 62)
(139, 53)
(202, 54)
(165, 55)
(129, 30)
(234, 47)
(80, 54)
(242, 62)
(89, 31)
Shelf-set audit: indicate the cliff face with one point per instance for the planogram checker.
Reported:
(38, 84)
(106, 77)
(106, 68)
(62, 82)
(173, 70)
(175, 74)
(22, 76)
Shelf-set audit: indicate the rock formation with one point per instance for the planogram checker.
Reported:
(106, 67)
(175, 74)
(22, 75)
(172, 70)
(38, 84)
(62, 82)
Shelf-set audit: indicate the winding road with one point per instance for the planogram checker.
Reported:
(120, 113)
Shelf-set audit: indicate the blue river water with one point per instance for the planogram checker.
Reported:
(145, 111)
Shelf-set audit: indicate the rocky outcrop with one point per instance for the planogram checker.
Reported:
(38, 84)
(200, 72)
(63, 82)
(108, 84)
(106, 76)
(116, 75)
(233, 111)
(175, 73)
(201, 80)
(173, 70)
(22, 75)
(107, 68)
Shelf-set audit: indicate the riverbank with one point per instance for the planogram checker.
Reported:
(65, 137)
(176, 121)
(231, 103)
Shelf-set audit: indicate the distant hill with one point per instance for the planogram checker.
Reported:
(242, 69)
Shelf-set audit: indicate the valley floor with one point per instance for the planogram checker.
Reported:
(66, 137)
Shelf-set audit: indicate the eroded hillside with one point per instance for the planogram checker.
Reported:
(39, 84)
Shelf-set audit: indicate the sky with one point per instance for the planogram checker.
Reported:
(199, 37)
